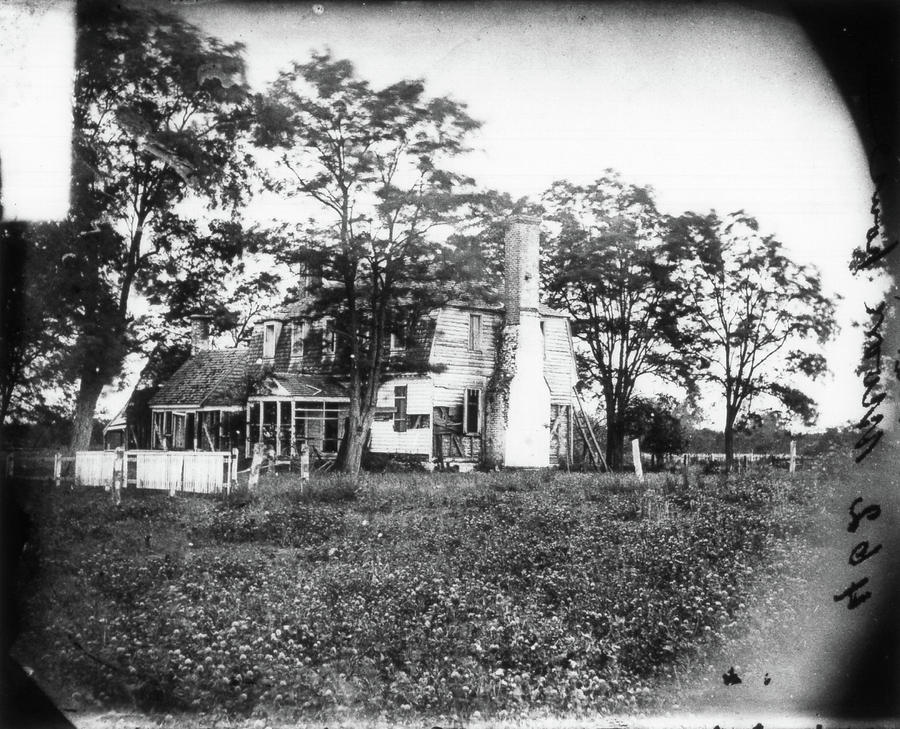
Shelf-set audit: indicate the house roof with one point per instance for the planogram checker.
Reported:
(293, 384)
(211, 377)
(119, 421)
(543, 309)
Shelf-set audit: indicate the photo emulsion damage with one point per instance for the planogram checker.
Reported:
(450, 365)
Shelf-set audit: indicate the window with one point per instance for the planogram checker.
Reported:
(475, 332)
(178, 430)
(472, 412)
(269, 340)
(400, 408)
(398, 341)
(329, 339)
(299, 331)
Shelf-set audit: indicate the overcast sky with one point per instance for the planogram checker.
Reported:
(716, 107)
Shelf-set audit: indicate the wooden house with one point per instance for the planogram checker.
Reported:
(480, 383)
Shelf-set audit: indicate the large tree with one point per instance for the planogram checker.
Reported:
(608, 262)
(373, 161)
(158, 113)
(33, 324)
(758, 318)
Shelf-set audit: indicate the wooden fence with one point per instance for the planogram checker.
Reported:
(198, 472)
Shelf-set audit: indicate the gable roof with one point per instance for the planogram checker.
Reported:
(211, 377)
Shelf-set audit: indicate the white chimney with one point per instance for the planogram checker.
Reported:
(522, 411)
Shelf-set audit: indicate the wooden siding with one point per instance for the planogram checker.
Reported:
(559, 366)
(466, 368)
(462, 367)
(414, 440)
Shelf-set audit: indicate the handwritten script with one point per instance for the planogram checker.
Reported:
(873, 396)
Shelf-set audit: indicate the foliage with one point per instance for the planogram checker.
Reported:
(157, 120)
(442, 595)
(754, 314)
(33, 326)
(611, 266)
(374, 163)
(657, 426)
(214, 269)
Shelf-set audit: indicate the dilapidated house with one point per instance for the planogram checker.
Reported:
(490, 383)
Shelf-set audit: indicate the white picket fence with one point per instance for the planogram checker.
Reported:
(197, 472)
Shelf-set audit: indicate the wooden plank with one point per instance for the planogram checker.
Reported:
(209, 439)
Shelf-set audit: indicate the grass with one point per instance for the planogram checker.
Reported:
(404, 596)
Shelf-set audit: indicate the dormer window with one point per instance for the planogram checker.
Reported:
(299, 332)
(329, 339)
(398, 341)
(269, 340)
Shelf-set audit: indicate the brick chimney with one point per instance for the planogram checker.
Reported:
(523, 258)
(519, 424)
(200, 332)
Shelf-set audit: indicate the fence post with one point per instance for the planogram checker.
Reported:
(118, 475)
(10, 464)
(232, 477)
(170, 482)
(255, 465)
(304, 467)
(57, 469)
(793, 465)
(636, 457)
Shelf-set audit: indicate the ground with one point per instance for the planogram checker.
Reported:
(448, 598)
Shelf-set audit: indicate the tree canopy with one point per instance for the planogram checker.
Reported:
(159, 111)
(753, 314)
(608, 262)
(374, 160)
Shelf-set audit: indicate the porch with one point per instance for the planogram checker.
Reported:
(218, 428)
(285, 425)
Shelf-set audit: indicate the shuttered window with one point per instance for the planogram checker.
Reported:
(400, 408)
(472, 412)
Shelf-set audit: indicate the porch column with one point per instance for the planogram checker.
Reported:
(277, 428)
(293, 428)
(247, 443)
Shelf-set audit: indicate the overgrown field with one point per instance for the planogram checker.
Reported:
(405, 595)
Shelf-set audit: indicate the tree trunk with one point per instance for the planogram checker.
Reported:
(615, 439)
(730, 417)
(85, 405)
(354, 442)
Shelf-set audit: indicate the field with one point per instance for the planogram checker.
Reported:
(416, 597)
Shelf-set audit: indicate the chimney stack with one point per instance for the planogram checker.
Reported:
(519, 421)
(523, 257)
(200, 332)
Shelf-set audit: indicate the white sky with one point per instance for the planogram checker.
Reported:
(716, 107)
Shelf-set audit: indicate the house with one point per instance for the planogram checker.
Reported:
(481, 383)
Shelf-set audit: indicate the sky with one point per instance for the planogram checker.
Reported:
(716, 107)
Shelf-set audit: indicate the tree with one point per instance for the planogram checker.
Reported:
(476, 250)
(213, 269)
(373, 162)
(36, 326)
(656, 424)
(159, 110)
(609, 263)
(754, 314)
